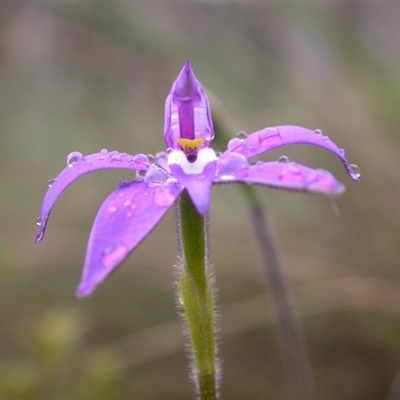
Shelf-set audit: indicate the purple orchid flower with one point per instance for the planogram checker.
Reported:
(129, 214)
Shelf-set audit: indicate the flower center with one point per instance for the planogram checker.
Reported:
(191, 147)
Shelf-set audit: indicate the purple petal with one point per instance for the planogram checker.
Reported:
(197, 177)
(79, 166)
(123, 221)
(271, 138)
(287, 175)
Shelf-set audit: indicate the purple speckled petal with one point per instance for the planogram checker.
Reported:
(271, 138)
(122, 222)
(287, 175)
(78, 166)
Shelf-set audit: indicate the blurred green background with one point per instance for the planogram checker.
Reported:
(90, 75)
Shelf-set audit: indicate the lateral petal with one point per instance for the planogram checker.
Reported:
(288, 176)
(270, 138)
(78, 166)
(125, 218)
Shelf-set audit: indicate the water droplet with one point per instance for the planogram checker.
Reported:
(127, 203)
(355, 171)
(269, 137)
(169, 149)
(326, 138)
(218, 154)
(171, 180)
(241, 135)
(112, 209)
(73, 158)
(115, 156)
(142, 160)
(259, 162)
(230, 163)
(251, 150)
(208, 134)
(163, 197)
(124, 182)
(318, 132)
(113, 255)
(292, 173)
(140, 174)
(156, 175)
(342, 152)
(151, 158)
(88, 164)
(51, 182)
(128, 214)
(283, 159)
(38, 221)
(104, 151)
(236, 145)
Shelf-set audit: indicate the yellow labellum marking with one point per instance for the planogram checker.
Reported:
(190, 145)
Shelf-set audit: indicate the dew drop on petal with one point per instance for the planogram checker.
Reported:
(156, 176)
(113, 255)
(163, 197)
(141, 159)
(140, 175)
(241, 135)
(355, 171)
(73, 158)
(251, 150)
(236, 145)
(104, 151)
(38, 221)
(292, 174)
(218, 154)
(269, 137)
(127, 203)
(283, 159)
(124, 182)
(151, 158)
(326, 138)
(318, 132)
(51, 182)
(112, 209)
(342, 152)
(230, 164)
(115, 156)
(208, 134)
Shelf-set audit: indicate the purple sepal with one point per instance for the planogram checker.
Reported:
(81, 165)
(197, 185)
(122, 222)
(273, 137)
(288, 176)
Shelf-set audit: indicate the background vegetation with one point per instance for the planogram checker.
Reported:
(90, 75)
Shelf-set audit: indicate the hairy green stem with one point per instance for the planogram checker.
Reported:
(195, 295)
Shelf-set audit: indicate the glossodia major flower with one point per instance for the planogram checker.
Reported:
(189, 163)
